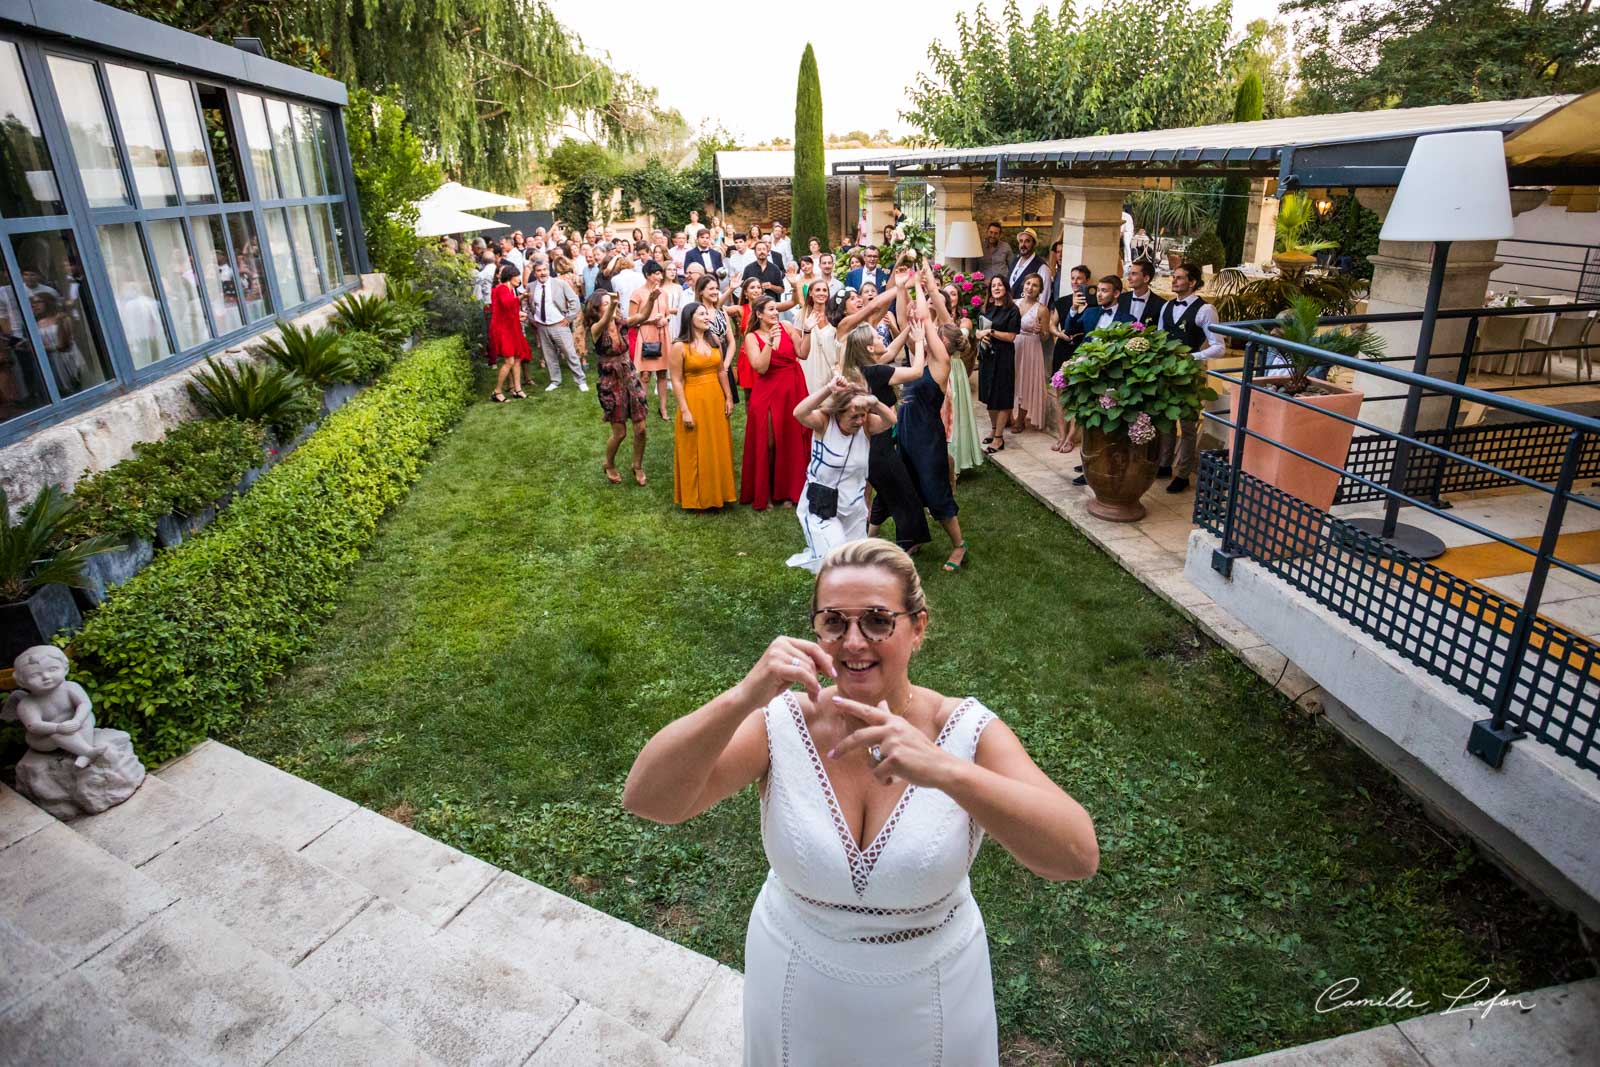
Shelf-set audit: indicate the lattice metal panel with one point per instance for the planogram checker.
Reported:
(1531, 449)
(1456, 630)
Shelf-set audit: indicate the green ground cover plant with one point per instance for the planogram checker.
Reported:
(519, 628)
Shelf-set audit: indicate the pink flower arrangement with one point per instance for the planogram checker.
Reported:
(1141, 431)
(1058, 380)
(959, 278)
(977, 301)
(1138, 326)
(1108, 401)
(977, 275)
(966, 287)
(938, 266)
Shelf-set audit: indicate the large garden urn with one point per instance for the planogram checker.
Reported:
(1119, 472)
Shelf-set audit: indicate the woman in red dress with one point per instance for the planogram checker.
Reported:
(777, 447)
(507, 344)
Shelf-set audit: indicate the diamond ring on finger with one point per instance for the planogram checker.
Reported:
(876, 753)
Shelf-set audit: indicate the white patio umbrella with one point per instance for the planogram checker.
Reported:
(437, 222)
(458, 197)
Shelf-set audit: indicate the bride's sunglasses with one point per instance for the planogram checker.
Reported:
(877, 624)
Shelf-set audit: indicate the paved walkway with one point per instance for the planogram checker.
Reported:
(230, 913)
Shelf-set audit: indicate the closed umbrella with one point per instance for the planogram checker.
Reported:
(458, 197)
(437, 222)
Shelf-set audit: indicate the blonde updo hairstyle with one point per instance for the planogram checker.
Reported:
(884, 555)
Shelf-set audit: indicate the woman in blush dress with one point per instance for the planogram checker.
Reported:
(776, 447)
(866, 944)
(1028, 407)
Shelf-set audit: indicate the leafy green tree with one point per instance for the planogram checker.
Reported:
(808, 217)
(1128, 65)
(1411, 53)
(585, 175)
(1236, 191)
(1267, 51)
(392, 173)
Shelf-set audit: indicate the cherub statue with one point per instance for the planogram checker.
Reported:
(55, 713)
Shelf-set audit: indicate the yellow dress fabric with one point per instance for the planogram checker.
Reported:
(702, 458)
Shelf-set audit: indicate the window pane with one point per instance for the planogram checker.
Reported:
(283, 147)
(90, 131)
(220, 279)
(347, 256)
(141, 136)
(258, 138)
(188, 143)
(306, 148)
(305, 252)
(58, 294)
(224, 143)
(181, 282)
(322, 134)
(333, 273)
(283, 259)
(134, 293)
(27, 181)
(247, 269)
(20, 387)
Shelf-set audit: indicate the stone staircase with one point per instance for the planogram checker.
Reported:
(230, 913)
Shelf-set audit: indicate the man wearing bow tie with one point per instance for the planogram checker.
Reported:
(1138, 302)
(1189, 319)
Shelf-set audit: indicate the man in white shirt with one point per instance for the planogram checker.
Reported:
(781, 249)
(825, 268)
(552, 308)
(996, 258)
(1127, 237)
(737, 260)
(1189, 319)
(625, 279)
(679, 249)
(694, 225)
(513, 255)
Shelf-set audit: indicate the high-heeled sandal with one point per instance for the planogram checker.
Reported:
(638, 475)
(519, 394)
(955, 565)
(613, 475)
(497, 397)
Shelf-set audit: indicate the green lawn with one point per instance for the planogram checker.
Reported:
(521, 627)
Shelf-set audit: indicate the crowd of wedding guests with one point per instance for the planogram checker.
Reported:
(857, 373)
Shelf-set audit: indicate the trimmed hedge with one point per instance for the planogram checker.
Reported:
(179, 651)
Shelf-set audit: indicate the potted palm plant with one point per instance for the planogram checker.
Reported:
(1290, 374)
(1124, 386)
(37, 565)
(1294, 253)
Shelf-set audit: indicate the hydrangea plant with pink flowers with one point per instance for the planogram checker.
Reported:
(1127, 378)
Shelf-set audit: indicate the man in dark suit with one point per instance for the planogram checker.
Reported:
(1105, 311)
(1138, 303)
(871, 272)
(703, 254)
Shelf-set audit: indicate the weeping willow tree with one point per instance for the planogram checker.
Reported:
(487, 84)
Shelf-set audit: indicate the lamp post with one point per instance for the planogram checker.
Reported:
(1454, 189)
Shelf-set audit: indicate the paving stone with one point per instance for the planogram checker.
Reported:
(1381, 1047)
(427, 878)
(272, 804)
(202, 987)
(75, 898)
(1557, 1031)
(588, 1037)
(644, 980)
(713, 1031)
(27, 965)
(19, 817)
(148, 823)
(348, 1036)
(455, 1001)
(279, 901)
(38, 1033)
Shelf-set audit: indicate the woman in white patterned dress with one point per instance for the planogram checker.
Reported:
(865, 944)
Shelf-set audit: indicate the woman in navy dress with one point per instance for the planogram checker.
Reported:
(920, 433)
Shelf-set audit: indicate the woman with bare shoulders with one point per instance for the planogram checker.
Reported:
(865, 944)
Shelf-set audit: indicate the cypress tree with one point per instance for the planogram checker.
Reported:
(809, 213)
(1236, 191)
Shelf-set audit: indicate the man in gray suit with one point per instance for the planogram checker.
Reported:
(552, 308)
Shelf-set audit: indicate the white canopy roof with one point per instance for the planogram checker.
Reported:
(435, 221)
(458, 197)
(778, 165)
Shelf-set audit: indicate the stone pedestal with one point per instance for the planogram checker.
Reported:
(880, 206)
(1261, 224)
(952, 203)
(51, 781)
(1091, 229)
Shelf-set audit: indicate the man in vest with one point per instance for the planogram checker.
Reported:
(1189, 319)
(1137, 301)
(1027, 263)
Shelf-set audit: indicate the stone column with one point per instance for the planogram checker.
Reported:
(880, 205)
(1261, 224)
(1400, 284)
(1091, 228)
(952, 202)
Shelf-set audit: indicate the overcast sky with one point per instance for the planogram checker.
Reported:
(868, 51)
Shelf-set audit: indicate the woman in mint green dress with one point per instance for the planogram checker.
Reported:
(960, 417)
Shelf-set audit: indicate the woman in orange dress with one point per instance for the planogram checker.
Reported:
(508, 346)
(776, 446)
(702, 447)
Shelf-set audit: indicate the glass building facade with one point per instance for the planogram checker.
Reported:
(153, 211)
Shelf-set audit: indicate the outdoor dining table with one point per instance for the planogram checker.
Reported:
(1503, 332)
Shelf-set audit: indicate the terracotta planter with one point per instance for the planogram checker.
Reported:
(1322, 436)
(1293, 262)
(1119, 472)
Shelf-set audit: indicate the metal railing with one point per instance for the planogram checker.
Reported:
(1536, 677)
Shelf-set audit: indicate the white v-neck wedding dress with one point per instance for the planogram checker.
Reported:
(872, 955)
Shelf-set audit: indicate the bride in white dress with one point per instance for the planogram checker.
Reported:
(865, 944)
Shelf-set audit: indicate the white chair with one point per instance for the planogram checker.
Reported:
(1496, 335)
(1570, 330)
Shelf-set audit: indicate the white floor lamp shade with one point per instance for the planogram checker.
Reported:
(1454, 189)
(961, 242)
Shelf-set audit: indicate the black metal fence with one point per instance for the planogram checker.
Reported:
(1537, 678)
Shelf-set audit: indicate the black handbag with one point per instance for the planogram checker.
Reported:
(649, 349)
(823, 500)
